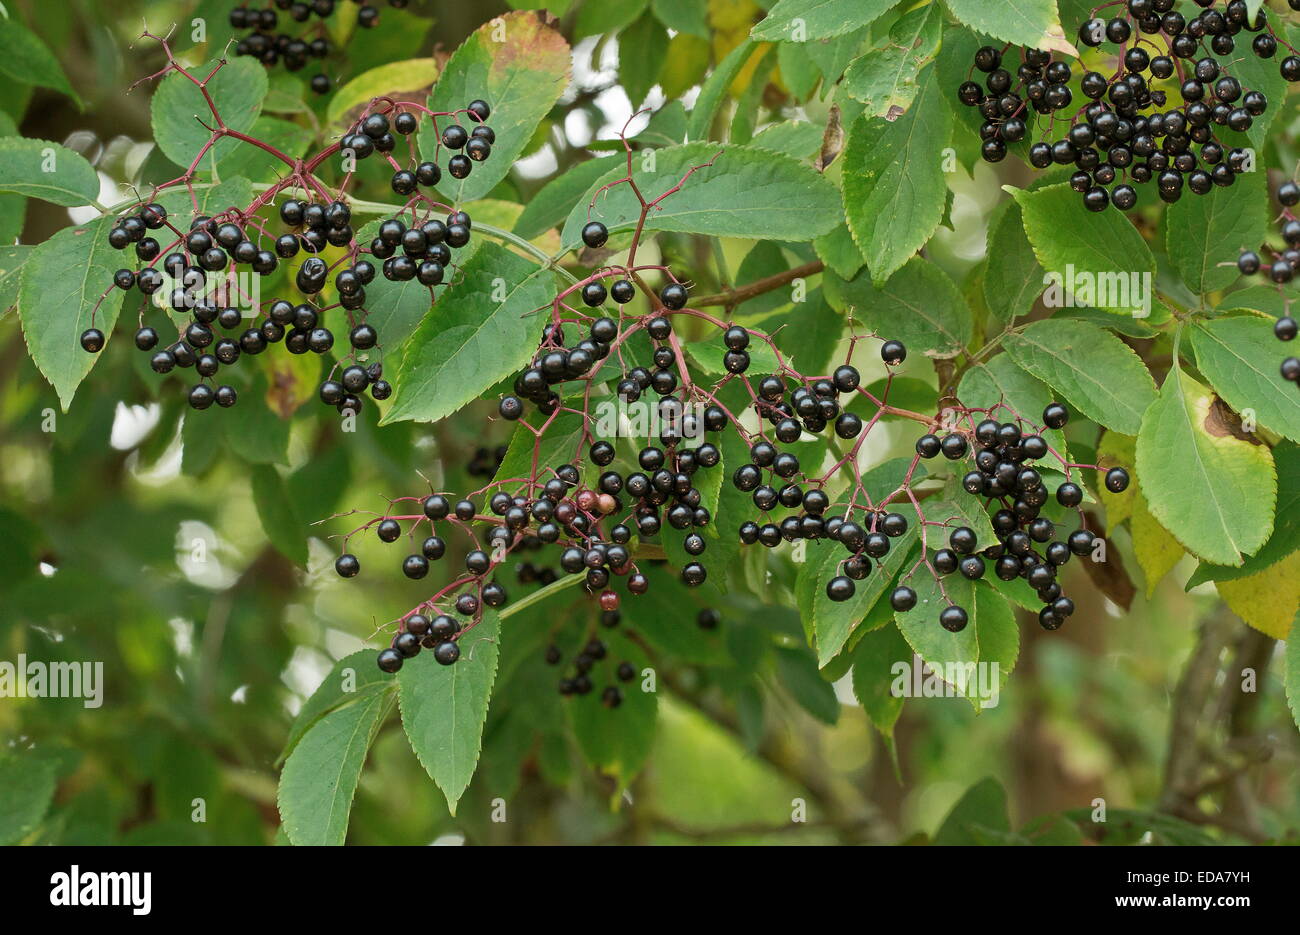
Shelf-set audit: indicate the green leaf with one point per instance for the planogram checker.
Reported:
(351, 679)
(840, 252)
(1013, 280)
(475, 335)
(688, 16)
(28, 784)
(747, 192)
(520, 66)
(1096, 255)
(549, 206)
(797, 669)
(999, 382)
(1286, 525)
(26, 59)
(45, 170)
(596, 19)
(1095, 371)
(798, 20)
(894, 184)
(714, 90)
(982, 808)
(63, 280)
(617, 741)
(320, 777)
(255, 433)
(1239, 358)
(279, 514)
(874, 659)
(919, 305)
(1032, 23)
(407, 80)
(641, 54)
(952, 655)
(178, 107)
(887, 80)
(1214, 491)
(12, 260)
(1205, 235)
(444, 707)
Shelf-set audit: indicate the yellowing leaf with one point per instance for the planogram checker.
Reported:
(1267, 601)
(1157, 551)
(1116, 450)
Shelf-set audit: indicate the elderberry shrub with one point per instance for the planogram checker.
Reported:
(1125, 135)
(295, 50)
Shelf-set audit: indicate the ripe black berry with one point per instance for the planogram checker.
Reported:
(953, 619)
(595, 234)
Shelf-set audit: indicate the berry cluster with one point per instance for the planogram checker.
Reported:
(1123, 136)
(270, 47)
(374, 134)
(211, 245)
(195, 275)
(1006, 481)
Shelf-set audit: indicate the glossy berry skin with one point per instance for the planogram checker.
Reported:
(446, 652)
(928, 446)
(595, 234)
(1055, 415)
(840, 588)
(1284, 329)
(954, 446)
(92, 340)
(893, 352)
(902, 599)
(953, 619)
(673, 296)
(390, 660)
(622, 291)
(347, 565)
(511, 408)
(1117, 480)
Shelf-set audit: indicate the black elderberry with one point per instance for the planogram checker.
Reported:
(673, 296)
(953, 618)
(595, 234)
(92, 340)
